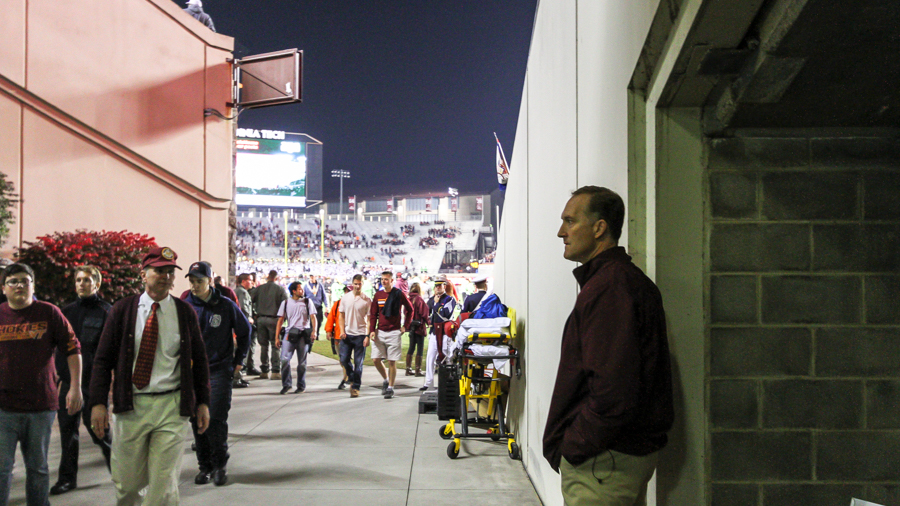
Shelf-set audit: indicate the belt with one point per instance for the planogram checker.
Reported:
(267, 316)
(159, 393)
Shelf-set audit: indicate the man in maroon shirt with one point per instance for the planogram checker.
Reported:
(612, 402)
(386, 324)
(30, 331)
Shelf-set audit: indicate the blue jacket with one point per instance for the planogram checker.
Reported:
(317, 295)
(219, 317)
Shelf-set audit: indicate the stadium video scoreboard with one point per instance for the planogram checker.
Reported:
(272, 168)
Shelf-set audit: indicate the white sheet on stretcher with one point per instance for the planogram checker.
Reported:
(484, 326)
(484, 350)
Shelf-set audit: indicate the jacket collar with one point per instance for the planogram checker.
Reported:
(213, 297)
(585, 272)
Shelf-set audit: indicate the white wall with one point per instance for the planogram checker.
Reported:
(572, 132)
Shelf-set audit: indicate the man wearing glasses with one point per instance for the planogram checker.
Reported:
(30, 331)
(153, 343)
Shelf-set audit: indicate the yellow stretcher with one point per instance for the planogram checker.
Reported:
(481, 385)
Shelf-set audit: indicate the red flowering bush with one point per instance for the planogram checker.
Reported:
(117, 254)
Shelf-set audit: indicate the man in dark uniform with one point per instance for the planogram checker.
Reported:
(473, 300)
(87, 316)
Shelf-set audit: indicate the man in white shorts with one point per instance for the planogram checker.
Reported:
(388, 317)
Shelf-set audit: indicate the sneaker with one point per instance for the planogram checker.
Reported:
(239, 384)
(284, 390)
(299, 390)
(384, 387)
(263, 375)
(343, 385)
(389, 393)
(409, 371)
(252, 372)
(203, 477)
(354, 392)
(275, 376)
(424, 387)
(419, 373)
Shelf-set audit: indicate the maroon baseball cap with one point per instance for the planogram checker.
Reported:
(160, 257)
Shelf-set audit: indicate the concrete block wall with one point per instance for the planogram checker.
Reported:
(803, 320)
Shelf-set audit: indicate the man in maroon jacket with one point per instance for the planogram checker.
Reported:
(153, 343)
(389, 315)
(612, 402)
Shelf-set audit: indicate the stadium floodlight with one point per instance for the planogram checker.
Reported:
(452, 191)
(341, 174)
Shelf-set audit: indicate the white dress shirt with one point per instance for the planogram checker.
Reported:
(166, 373)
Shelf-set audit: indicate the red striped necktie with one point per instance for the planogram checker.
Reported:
(144, 365)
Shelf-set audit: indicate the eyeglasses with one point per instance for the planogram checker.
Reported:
(18, 282)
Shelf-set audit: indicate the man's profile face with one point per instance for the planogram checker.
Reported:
(247, 283)
(387, 282)
(298, 291)
(85, 286)
(579, 231)
(19, 288)
(159, 279)
(199, 285)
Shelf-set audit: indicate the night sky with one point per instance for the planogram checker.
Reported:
(406, 94)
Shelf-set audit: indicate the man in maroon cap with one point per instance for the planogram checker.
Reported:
(153, 343)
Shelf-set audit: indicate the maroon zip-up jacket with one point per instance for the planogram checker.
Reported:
(614, 383)
(115, 352)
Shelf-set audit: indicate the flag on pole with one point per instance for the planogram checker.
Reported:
(502, 166)
(479, 203)
(428, 205)
(352, 203)
(454, 204)
(390, 206)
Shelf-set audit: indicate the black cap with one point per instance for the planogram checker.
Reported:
(200, 270)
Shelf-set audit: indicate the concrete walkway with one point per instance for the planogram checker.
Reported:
(320, 448)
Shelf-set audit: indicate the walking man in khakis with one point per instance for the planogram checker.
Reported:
(268, 298)
(152, 342)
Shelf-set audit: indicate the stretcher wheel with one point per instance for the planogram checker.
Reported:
(514, 451)
(444, 434)
(452, 450)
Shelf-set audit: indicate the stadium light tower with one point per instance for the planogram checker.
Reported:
(341, 174)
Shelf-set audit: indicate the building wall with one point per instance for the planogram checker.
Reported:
(102, 114)
(572, 130)
(804, 329)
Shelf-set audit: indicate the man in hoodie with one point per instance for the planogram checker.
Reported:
(220, 319)
(386, 324)
(87, 316)
(195, 9)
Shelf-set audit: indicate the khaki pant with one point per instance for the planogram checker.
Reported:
(609, 479)
(147, 449)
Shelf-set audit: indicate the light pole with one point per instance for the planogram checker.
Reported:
(341, 174)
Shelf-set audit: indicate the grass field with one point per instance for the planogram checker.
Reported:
(323, 347)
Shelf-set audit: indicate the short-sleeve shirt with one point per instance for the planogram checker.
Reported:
(298, 312)
(355, 309)
(28, 338)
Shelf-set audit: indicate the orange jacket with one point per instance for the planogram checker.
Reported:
(332, 322)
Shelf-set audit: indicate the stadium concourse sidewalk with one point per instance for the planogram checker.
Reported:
(321, 448)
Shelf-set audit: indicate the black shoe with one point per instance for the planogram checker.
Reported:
(423, 388)
(193, 447)
(220, 477)
(62, 487)
(253, 372)
(384, 387)
(389, 393)
(240, 384)
(284, 390)
(343, 385)
(202, 477)
(299, 390)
